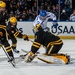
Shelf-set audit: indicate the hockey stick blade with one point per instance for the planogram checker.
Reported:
(22, 56)
(24, 51)
(13, 64)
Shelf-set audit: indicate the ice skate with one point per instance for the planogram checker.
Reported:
(16, 51)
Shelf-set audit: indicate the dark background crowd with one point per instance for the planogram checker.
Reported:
(27, 10)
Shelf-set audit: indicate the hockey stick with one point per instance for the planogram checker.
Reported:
(27, 51)
(8, 57)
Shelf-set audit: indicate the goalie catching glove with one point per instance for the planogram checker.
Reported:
(29, 57)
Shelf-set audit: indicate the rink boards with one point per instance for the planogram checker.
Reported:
(64, 30)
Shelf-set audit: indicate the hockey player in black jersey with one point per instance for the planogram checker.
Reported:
(13, 33)
(3, 32)
(52, 43)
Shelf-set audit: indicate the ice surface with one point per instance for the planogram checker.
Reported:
(38, 67)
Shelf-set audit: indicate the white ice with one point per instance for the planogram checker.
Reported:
(38, 67)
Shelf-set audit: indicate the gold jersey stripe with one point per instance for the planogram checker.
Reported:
(3, 28)
(8, 50)
(55, 42)
(8, 47)
(16, 34)
(37, 43)
(50, 49)
(36, 46)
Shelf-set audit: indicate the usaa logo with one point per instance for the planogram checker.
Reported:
(63, 29)
(20, 30)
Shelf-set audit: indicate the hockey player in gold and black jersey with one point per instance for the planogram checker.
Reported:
(3, 32)
(13, 33)
(52, 43)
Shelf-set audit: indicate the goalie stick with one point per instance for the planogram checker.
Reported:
(13, 64)
(27, 51)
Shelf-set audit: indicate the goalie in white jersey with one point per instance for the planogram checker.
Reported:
(42, 19)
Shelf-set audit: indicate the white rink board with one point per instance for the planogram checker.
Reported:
(63, 29)
(25, 27)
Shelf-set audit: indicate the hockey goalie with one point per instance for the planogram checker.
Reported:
(53, 45)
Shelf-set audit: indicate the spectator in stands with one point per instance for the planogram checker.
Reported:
(73, 4)
(63, 16)
(11, 14)
(24, 16)
(34, 15)
(31, 6)
(72, 16)
(18, 16)
(62, 4)
(54, 11)
(19, 7)
(68, 7)
(48, 8)
(34, 8)
(68, 3)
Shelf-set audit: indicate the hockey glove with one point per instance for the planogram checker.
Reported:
(55, 24)
(25, 37)
(29, 57)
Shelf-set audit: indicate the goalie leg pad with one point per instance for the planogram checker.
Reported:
(63, 57)
(55, 59)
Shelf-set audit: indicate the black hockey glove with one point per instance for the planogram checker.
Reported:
(26, 37)
(55, 24)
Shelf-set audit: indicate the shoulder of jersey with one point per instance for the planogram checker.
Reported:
(71, 15)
